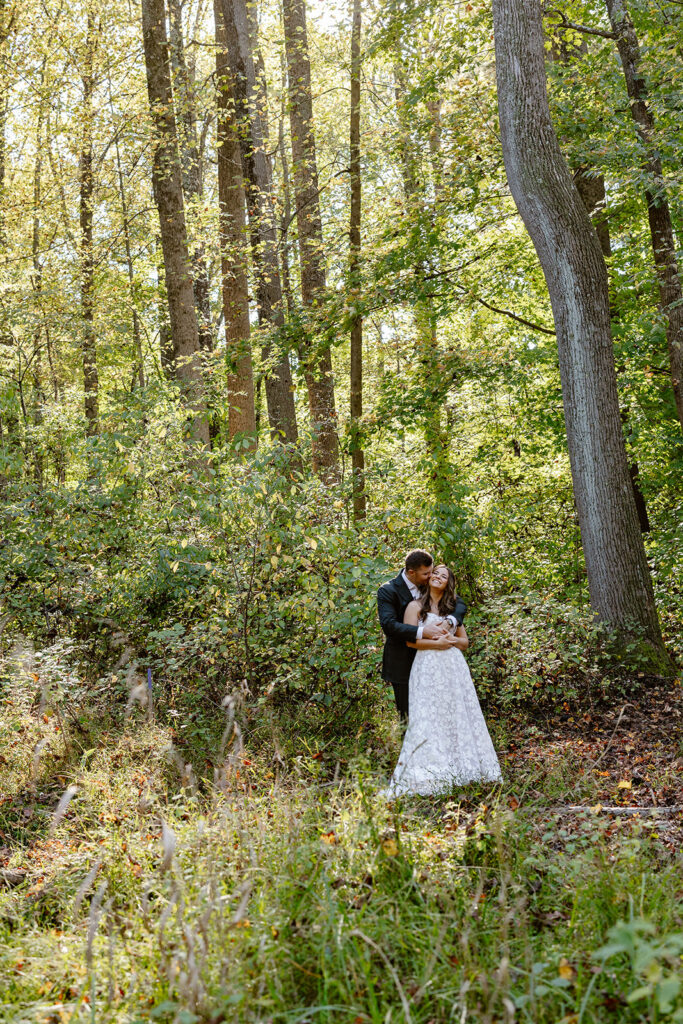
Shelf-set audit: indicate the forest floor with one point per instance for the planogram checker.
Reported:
(292, 893)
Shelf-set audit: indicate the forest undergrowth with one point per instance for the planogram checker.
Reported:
(272, 882)
(194, 738)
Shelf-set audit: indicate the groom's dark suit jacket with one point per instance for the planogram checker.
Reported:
(392, 600)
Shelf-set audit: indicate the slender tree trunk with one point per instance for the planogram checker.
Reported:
(137, 333)
(168, 195)
(233, 247)
(7, 25)
(356, 397)
(37, 282)
(658, 212)
(285, 216)
(417, 206)
(90, 375)
(191, 167)
(258, 176)
(619, 581)
(318, 364)
(3, 129)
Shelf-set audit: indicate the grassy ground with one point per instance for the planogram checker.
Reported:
(282, 888)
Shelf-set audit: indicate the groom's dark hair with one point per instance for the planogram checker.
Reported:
(416, 559)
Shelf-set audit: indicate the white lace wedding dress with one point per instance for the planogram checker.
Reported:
(446, 743)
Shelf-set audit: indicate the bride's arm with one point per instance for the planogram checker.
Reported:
(461, 638)
(411, 618)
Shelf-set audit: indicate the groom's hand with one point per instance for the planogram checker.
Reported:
(434, 632)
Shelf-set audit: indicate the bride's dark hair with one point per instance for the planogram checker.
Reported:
(448, 598)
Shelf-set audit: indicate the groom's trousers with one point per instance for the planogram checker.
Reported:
(401, 691)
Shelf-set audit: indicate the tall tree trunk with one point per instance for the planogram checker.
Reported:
(168, 196)
(418, 206)
(191, 167)
(37, 283)
(356, 396)
(258, 176)
(3, 117)
(318, 364)
(619, 581)
(658, 212)
(233, 248)
(7, 26)
(137, 333)
(90, 375)
(285, 214)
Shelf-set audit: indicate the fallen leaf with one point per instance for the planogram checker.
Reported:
(390, 848)
(623, 784)
(565, 970)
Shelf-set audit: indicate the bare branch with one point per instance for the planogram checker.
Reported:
(585, 29)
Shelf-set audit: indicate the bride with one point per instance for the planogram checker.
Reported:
(446, 742)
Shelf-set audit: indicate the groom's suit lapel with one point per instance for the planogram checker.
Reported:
(402, 588)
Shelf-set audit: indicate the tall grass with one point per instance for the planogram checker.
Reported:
(298, 895)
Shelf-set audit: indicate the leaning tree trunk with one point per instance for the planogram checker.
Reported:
(318, 364)
(168, 196)
(90, 376)
(590, 184)
(258, 176)
(658, 212)
(356, 396)
(233, 249)
(619, 581)
(591, 188)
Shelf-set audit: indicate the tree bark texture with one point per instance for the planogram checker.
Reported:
(168, 196)
(257, 171)
(191, 167)
(317, 364)
(591, 188)
(233, 248)
(658, 212)
(90, 376)
(619, 581)
(356, 396)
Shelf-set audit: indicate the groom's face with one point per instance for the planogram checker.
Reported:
(420, 577)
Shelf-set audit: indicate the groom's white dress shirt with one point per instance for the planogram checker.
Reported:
(415, 591)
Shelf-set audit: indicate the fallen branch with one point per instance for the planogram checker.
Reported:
(648, 812)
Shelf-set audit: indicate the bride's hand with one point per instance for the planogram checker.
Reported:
(434, 632)
(442, 643)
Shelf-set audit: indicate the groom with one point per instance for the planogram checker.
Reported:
(392, 600)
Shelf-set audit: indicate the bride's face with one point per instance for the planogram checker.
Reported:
(439, 578)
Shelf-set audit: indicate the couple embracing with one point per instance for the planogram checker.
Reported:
(446, 742)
